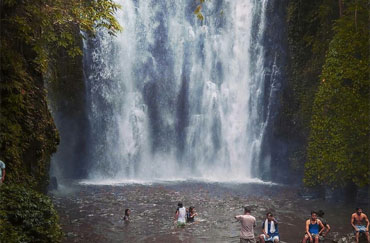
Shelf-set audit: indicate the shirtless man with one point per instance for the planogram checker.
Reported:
(357, 223)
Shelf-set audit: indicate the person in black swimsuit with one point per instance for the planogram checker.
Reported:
(191, 214)
(320, 215)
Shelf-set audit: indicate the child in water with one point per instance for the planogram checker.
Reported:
(191, 214)
(127, 215)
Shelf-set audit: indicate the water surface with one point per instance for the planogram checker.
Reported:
(94, 213)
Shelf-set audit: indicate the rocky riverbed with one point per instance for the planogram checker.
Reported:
(94, 213)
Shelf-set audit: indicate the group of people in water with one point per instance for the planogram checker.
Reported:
(184, 215)
(316, 225)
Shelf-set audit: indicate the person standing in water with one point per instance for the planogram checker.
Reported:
(357, 222)
(126, 218)
(248, 222)
(190, 215)
(180, 215)
(270, 229)
(313, 226)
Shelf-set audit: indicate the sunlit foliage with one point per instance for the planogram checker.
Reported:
(47, 25)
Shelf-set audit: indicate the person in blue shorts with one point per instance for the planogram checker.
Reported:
(357, 221)
(313, 226)
(270, 229)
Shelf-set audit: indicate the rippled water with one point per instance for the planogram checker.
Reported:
(94, 213)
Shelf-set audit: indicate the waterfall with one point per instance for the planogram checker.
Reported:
(174, 97)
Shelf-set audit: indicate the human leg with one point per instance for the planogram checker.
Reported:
(316, 238)
(367, 236)
(276, 239)
(262, 238)
(305, 238)
(357, 236)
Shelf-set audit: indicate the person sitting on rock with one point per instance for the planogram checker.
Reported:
(269, 229)
(313, 226)
(357, 220)
(320, 215)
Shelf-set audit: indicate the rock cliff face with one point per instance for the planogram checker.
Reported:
(308, 33)
(28, 136)
(319, 71)
(66, 96)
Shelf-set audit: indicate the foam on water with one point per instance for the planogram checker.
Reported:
(121, 182)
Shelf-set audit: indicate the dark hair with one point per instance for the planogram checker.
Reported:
(179, 204)
(126, 211)
(191, 209)
(358, 208)
(313, 212)
(320, 213)
(247, 210)
(268, 214)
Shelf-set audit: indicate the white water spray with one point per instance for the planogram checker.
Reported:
(172, 97)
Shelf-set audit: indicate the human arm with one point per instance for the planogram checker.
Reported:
(264, 231)
(308, 229)
(327, 229)
(3, 175)
(367, 223)
(353, 222)
(322, 227)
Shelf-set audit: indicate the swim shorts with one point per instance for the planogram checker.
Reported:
(361, 228)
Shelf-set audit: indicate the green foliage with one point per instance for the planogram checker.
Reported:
(27, 216)
(47, 25)
(198, 10)
(32, 36)
(27, 133)
(338, 150)
(309, 26)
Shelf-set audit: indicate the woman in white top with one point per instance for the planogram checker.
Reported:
(180, 215)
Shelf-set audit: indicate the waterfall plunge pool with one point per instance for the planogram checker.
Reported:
(94, 213)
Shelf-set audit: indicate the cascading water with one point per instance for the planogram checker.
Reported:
(173, 97)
